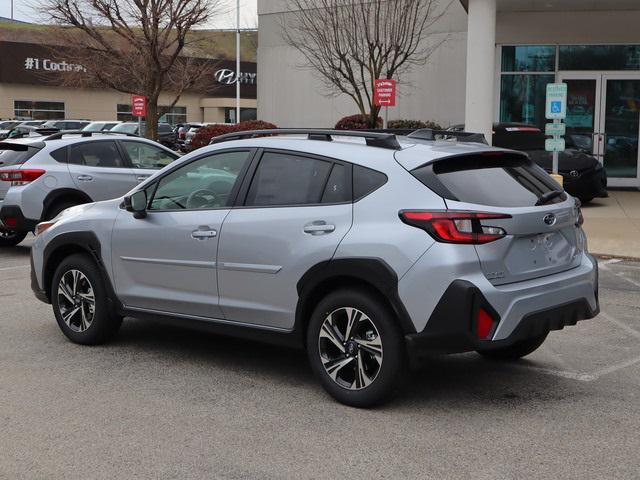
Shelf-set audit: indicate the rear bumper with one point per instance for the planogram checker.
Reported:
(520, 312)
(12, 218)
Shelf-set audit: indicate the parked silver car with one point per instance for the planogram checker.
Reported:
(364, 254)
(42, 175)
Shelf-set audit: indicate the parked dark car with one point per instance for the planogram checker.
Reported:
(583, 175)
(181, 130)
(166, 134)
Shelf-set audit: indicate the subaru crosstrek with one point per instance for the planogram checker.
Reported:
(43, 175)
(368, 254)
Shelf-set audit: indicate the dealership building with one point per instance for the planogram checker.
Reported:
(32, 85)
(493, 64)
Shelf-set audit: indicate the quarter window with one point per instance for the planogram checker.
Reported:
(287, 179)
(96, 154)
(366, 181)
(203, 184)
(143, 155)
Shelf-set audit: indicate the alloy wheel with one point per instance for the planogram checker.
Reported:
(350, 348)
(76, 300)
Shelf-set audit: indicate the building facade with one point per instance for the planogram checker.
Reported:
(494, 62)
(32, 87)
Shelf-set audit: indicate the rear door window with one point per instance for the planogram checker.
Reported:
(503, 181)
(288, 179)
(96, 154)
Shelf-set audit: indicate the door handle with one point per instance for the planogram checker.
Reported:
(85, 178)
(317, 228)
(142, 178)
(203, 234)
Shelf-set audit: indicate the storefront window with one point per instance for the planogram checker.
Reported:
(246, 114)
(528, 58)
(124, 113)
(522, 98)
(599, 57)
(29, 109)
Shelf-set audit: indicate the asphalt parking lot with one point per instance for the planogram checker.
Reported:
(162, 402)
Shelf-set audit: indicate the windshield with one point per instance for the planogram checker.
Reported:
(94, 127)
(8, 125)
(126, 127)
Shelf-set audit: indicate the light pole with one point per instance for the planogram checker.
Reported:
(238, 62)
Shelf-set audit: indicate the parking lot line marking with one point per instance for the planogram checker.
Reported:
(615, 368)
(13, 268)
(581, 377)
(611, 260)
(631, 331)
(619, 275)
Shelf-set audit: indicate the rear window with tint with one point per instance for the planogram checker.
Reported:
(10, 158)
(500, 181)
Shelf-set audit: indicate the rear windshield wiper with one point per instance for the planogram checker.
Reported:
(547, 197)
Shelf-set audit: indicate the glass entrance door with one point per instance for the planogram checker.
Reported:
(603, 117)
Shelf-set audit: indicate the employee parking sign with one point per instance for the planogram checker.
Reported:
(556, 101)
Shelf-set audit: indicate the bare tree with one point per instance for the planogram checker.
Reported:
(350, 43)
(134, 46)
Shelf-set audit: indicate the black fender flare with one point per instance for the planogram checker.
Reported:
(59, 193)
(374, 272)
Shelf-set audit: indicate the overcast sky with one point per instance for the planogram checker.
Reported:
(23, 10)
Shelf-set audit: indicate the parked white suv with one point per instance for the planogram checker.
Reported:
(41, 176)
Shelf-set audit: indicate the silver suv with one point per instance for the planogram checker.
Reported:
(41, 176)
(368, 255)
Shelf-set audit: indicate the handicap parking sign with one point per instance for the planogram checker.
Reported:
(556, 101)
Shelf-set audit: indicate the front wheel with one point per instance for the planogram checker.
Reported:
(355, 348)
(80, 302)
(517, 350)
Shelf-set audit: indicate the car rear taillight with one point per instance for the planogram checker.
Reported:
(455, 226)
(21, 177)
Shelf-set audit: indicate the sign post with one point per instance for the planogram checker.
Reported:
(139, 109)
(556, 110)
(384, 95)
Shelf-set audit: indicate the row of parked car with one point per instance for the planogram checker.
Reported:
(167, 134)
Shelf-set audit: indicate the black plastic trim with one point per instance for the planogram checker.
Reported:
(23, 224)
(55, 195)
(372, 271)
(451, 327)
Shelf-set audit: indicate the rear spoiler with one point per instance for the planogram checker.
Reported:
(20, 147)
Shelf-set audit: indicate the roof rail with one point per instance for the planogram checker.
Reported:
(59, 135)
(373, 139)
(432, 135)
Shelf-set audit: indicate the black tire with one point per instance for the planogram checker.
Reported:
(379, 328)
(104, 322)
(10, 238)
(517, 350)
(56, 208)
(586, 200)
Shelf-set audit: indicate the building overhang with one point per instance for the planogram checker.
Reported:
(561, 5)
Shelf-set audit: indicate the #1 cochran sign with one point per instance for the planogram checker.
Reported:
(384, 94)
(139, 106)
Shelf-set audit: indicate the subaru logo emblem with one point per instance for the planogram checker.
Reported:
(574, 173)
(549, 219)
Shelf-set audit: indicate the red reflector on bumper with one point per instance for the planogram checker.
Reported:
(484, 325)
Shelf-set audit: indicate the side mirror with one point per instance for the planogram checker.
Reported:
(136, 203)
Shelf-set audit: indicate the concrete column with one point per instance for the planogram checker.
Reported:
(481, 53)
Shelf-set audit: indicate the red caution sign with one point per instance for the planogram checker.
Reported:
(384, 94)
(138, 105)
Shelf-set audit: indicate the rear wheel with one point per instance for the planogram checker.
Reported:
(515, 351)
(355, 348)
(10, 238)
(80, 302)
(586, 200)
